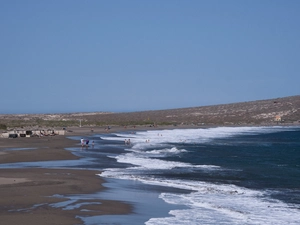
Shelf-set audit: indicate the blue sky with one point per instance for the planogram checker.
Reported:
(92, 55)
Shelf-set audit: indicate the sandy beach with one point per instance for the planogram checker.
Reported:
(25, 194)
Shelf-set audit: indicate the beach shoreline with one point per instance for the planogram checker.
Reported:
(30, 189)
(26, 194)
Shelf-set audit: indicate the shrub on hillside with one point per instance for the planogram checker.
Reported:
(3, 127)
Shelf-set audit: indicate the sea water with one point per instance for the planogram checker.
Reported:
(222, 175)
(231, 175)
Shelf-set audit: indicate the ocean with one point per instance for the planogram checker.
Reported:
(221, 175)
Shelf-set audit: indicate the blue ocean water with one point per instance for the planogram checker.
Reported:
(222, 175)
(232, 175)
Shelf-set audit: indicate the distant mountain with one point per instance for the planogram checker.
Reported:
(284, 110)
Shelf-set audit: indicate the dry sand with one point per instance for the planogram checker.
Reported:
(25, 194)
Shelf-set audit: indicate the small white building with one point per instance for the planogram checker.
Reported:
(277, 118)
(31, 133)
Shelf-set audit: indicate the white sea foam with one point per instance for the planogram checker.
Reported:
(207, 203)
(140, 139)
(142, 163)
(219, 204)
(159, 152)
(223, 204)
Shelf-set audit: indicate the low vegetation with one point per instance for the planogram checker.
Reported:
(261, 112)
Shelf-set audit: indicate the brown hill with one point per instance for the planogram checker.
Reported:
(272, 111)
(254, 112)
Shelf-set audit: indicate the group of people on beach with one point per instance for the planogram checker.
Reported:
(85, 142)
(127, 142)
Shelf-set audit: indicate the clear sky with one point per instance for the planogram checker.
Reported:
(115, 55)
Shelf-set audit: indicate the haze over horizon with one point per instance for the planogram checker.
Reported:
(134, 111)
(120, 56)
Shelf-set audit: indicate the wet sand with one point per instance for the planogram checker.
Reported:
(25, 194)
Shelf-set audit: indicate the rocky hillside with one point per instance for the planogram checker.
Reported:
(280, 110)
(285, 110)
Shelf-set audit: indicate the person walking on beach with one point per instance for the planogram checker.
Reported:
(82, 142)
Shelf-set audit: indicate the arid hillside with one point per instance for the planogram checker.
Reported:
(272, 111)
(285, 110)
